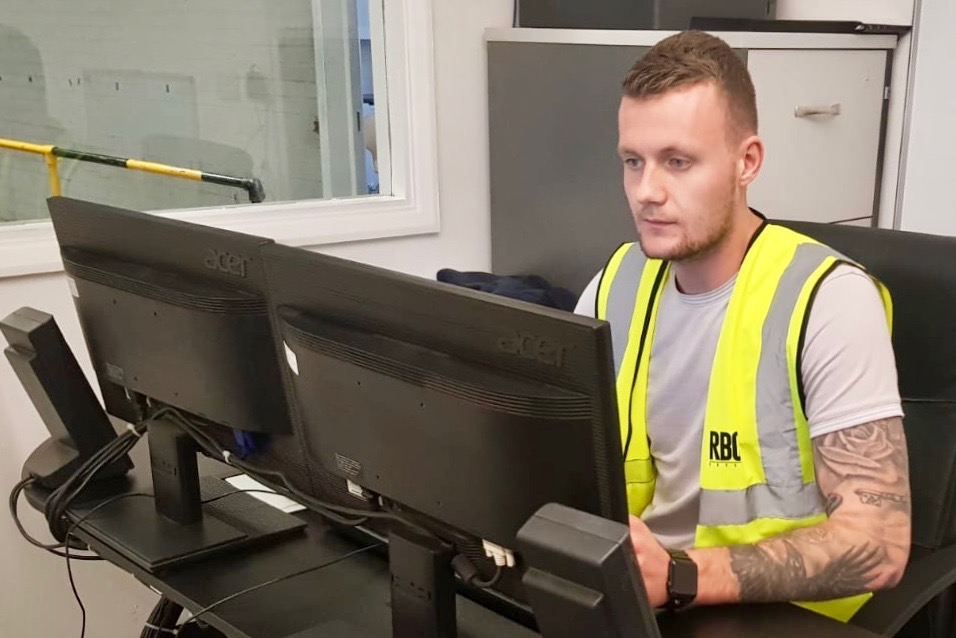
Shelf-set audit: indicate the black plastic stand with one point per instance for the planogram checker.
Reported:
(423, 586)
(188, 519)
(172, 457)
(48, 371)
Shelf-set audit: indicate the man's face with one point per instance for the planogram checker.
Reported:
(680, 170)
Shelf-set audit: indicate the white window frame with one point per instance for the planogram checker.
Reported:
(410, 149)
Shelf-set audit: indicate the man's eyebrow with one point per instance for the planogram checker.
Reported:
(667, 150)
(674, 150)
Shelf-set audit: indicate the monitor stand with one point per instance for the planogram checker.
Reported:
(423, 586)
(178, 525)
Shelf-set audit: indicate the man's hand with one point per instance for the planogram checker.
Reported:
(653, 560)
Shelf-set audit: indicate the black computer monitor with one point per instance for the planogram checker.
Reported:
(172, 311)
(174, 314)
(468, 409)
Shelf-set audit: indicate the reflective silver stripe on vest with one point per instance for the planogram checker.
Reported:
(620, 301)
(777, 431)
(785, 495)
(739, 507)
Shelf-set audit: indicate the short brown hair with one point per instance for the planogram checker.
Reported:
(691, 57)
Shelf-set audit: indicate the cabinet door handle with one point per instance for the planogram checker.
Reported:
(806, 111)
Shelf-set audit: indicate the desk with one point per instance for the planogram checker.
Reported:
(351, 598)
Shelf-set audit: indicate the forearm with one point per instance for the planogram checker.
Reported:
(822, 562)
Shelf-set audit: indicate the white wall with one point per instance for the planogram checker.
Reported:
(928, 202)
(35, 598)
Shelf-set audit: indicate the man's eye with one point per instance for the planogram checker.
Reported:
(679, 163)
(632, 162)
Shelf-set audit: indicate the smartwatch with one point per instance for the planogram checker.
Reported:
(681, 579)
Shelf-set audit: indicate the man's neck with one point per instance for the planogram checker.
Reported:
(717, 266)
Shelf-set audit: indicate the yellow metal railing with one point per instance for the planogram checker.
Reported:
(52, 154)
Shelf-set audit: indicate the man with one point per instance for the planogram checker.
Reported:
(756, 380)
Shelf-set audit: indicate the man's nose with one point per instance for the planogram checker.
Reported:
(648, 189)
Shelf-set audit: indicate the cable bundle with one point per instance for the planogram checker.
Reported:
(59, 501)
(162, 621)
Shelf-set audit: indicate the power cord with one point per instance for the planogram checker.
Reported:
(337, 513)
(222, 496)
(52, 548)
(273, 581)
(469, 573)
(61, 498)
(162, 621)
(69, 568)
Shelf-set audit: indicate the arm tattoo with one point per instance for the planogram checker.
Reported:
(833, 502)
(863, 475)
(878, 499)
(873, 452)
(763, 578)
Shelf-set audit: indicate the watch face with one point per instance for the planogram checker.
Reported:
(683, 577)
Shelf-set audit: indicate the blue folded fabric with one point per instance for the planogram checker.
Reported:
(531, 288)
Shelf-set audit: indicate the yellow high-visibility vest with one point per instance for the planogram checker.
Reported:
(757, 477)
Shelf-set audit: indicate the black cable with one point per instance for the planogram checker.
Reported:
(59, 501)
(152, 621)
(273, 581)
(222, 496)
(170, 617)
(52, 548)
(76, 594)
(330, 510)
(491, 582)
(468, 572)
(61, 498)
(162, 620)
(69, 568)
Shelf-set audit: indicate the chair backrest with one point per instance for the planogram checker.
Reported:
(920, 272)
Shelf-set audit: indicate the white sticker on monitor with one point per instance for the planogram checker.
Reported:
(291, 358)
(72, 284)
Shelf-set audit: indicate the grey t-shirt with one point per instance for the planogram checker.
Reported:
(848, 368)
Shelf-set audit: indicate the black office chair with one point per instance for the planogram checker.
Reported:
(920, 271)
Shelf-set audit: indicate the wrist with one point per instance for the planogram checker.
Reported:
(716, 583)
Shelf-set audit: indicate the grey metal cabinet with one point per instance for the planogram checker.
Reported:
(821, 114)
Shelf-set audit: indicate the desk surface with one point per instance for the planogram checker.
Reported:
(351, 598)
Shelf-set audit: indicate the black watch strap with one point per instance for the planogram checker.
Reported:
(681, 579)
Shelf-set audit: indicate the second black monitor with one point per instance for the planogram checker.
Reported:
(472, 409)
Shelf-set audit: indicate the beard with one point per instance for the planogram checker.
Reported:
(713, 229)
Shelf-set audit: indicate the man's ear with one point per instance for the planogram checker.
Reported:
(750, 159)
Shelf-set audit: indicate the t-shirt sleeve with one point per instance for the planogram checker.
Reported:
(848, 368)
(588, 298)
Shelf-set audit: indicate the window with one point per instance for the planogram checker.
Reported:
(306, 97)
